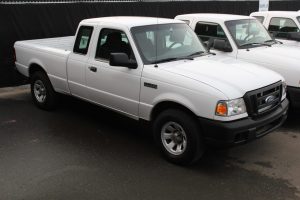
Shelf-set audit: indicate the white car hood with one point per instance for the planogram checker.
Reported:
(290, 43)
(280, 58)
(277, 52)
(233, 78)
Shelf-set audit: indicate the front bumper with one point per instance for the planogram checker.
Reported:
(294, 96)
(219, 133)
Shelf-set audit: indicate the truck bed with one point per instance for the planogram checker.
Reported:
(50, 53)
(58, 43)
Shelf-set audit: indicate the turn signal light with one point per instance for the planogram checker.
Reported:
(221, 109)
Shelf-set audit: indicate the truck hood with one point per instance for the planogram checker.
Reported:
(233, 78)
(290, 43)
(280, 58)
(277, 52)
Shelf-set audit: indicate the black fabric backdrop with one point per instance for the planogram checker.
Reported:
(33, 21)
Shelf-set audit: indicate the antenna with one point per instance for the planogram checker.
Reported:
(155, 35)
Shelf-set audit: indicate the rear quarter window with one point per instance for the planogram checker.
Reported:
(83, 39)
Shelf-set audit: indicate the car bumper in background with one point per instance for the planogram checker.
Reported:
(294, 96)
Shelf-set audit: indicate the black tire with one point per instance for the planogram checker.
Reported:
(194, 148)
(50, 100)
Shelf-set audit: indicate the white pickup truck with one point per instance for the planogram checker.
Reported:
(244, 38)
(157, 70)
(283, 25)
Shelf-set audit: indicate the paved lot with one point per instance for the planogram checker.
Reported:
(81, 151)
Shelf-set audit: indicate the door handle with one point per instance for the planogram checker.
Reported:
(93, 69)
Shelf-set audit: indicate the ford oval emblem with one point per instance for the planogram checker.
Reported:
(269, 99)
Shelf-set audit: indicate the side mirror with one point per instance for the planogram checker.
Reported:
(294, 36)
(222, 45)
(122, 60)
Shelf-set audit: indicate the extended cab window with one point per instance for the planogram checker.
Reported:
(260, 18)
(112, 41)
(279, 27)
(83, 39)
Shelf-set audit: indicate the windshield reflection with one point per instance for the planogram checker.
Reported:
(166, 42)
(249, 33)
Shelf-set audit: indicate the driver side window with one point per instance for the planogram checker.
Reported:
(113, 41)
(208, 32)
(280, 27)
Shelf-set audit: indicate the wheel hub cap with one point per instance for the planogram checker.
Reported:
(173, 138)
(39, 91)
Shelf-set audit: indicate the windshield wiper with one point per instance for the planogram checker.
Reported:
(274, 41)
(172, 59)
(164, 60)
(201, 53)
(255, 43)
(189, 57)
(196, 53)
(270, 41)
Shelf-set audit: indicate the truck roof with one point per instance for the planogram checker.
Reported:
(214, 17)
(130, 21)
(278, 13)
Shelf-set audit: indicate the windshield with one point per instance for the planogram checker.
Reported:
(248, 32)
(298, 19)
(163, 42)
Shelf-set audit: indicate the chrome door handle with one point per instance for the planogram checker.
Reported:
(93, 69)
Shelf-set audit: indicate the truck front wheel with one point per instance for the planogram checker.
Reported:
(42, 92)
(178, 136)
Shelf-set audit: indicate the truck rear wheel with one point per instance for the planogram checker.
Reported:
(178, 137)
(42, 92)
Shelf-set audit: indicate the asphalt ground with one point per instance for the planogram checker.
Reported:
(81, 151)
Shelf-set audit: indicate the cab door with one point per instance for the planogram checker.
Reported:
(117, 88)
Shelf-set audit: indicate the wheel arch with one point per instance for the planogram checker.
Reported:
(169, 104)
(35, 66)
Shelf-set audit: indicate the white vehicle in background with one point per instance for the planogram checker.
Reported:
(283, 25)
(157, 70)
(245, 38)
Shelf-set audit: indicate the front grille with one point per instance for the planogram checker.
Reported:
(263, 100)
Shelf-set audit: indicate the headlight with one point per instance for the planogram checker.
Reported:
(284, 88)
(231, 107)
